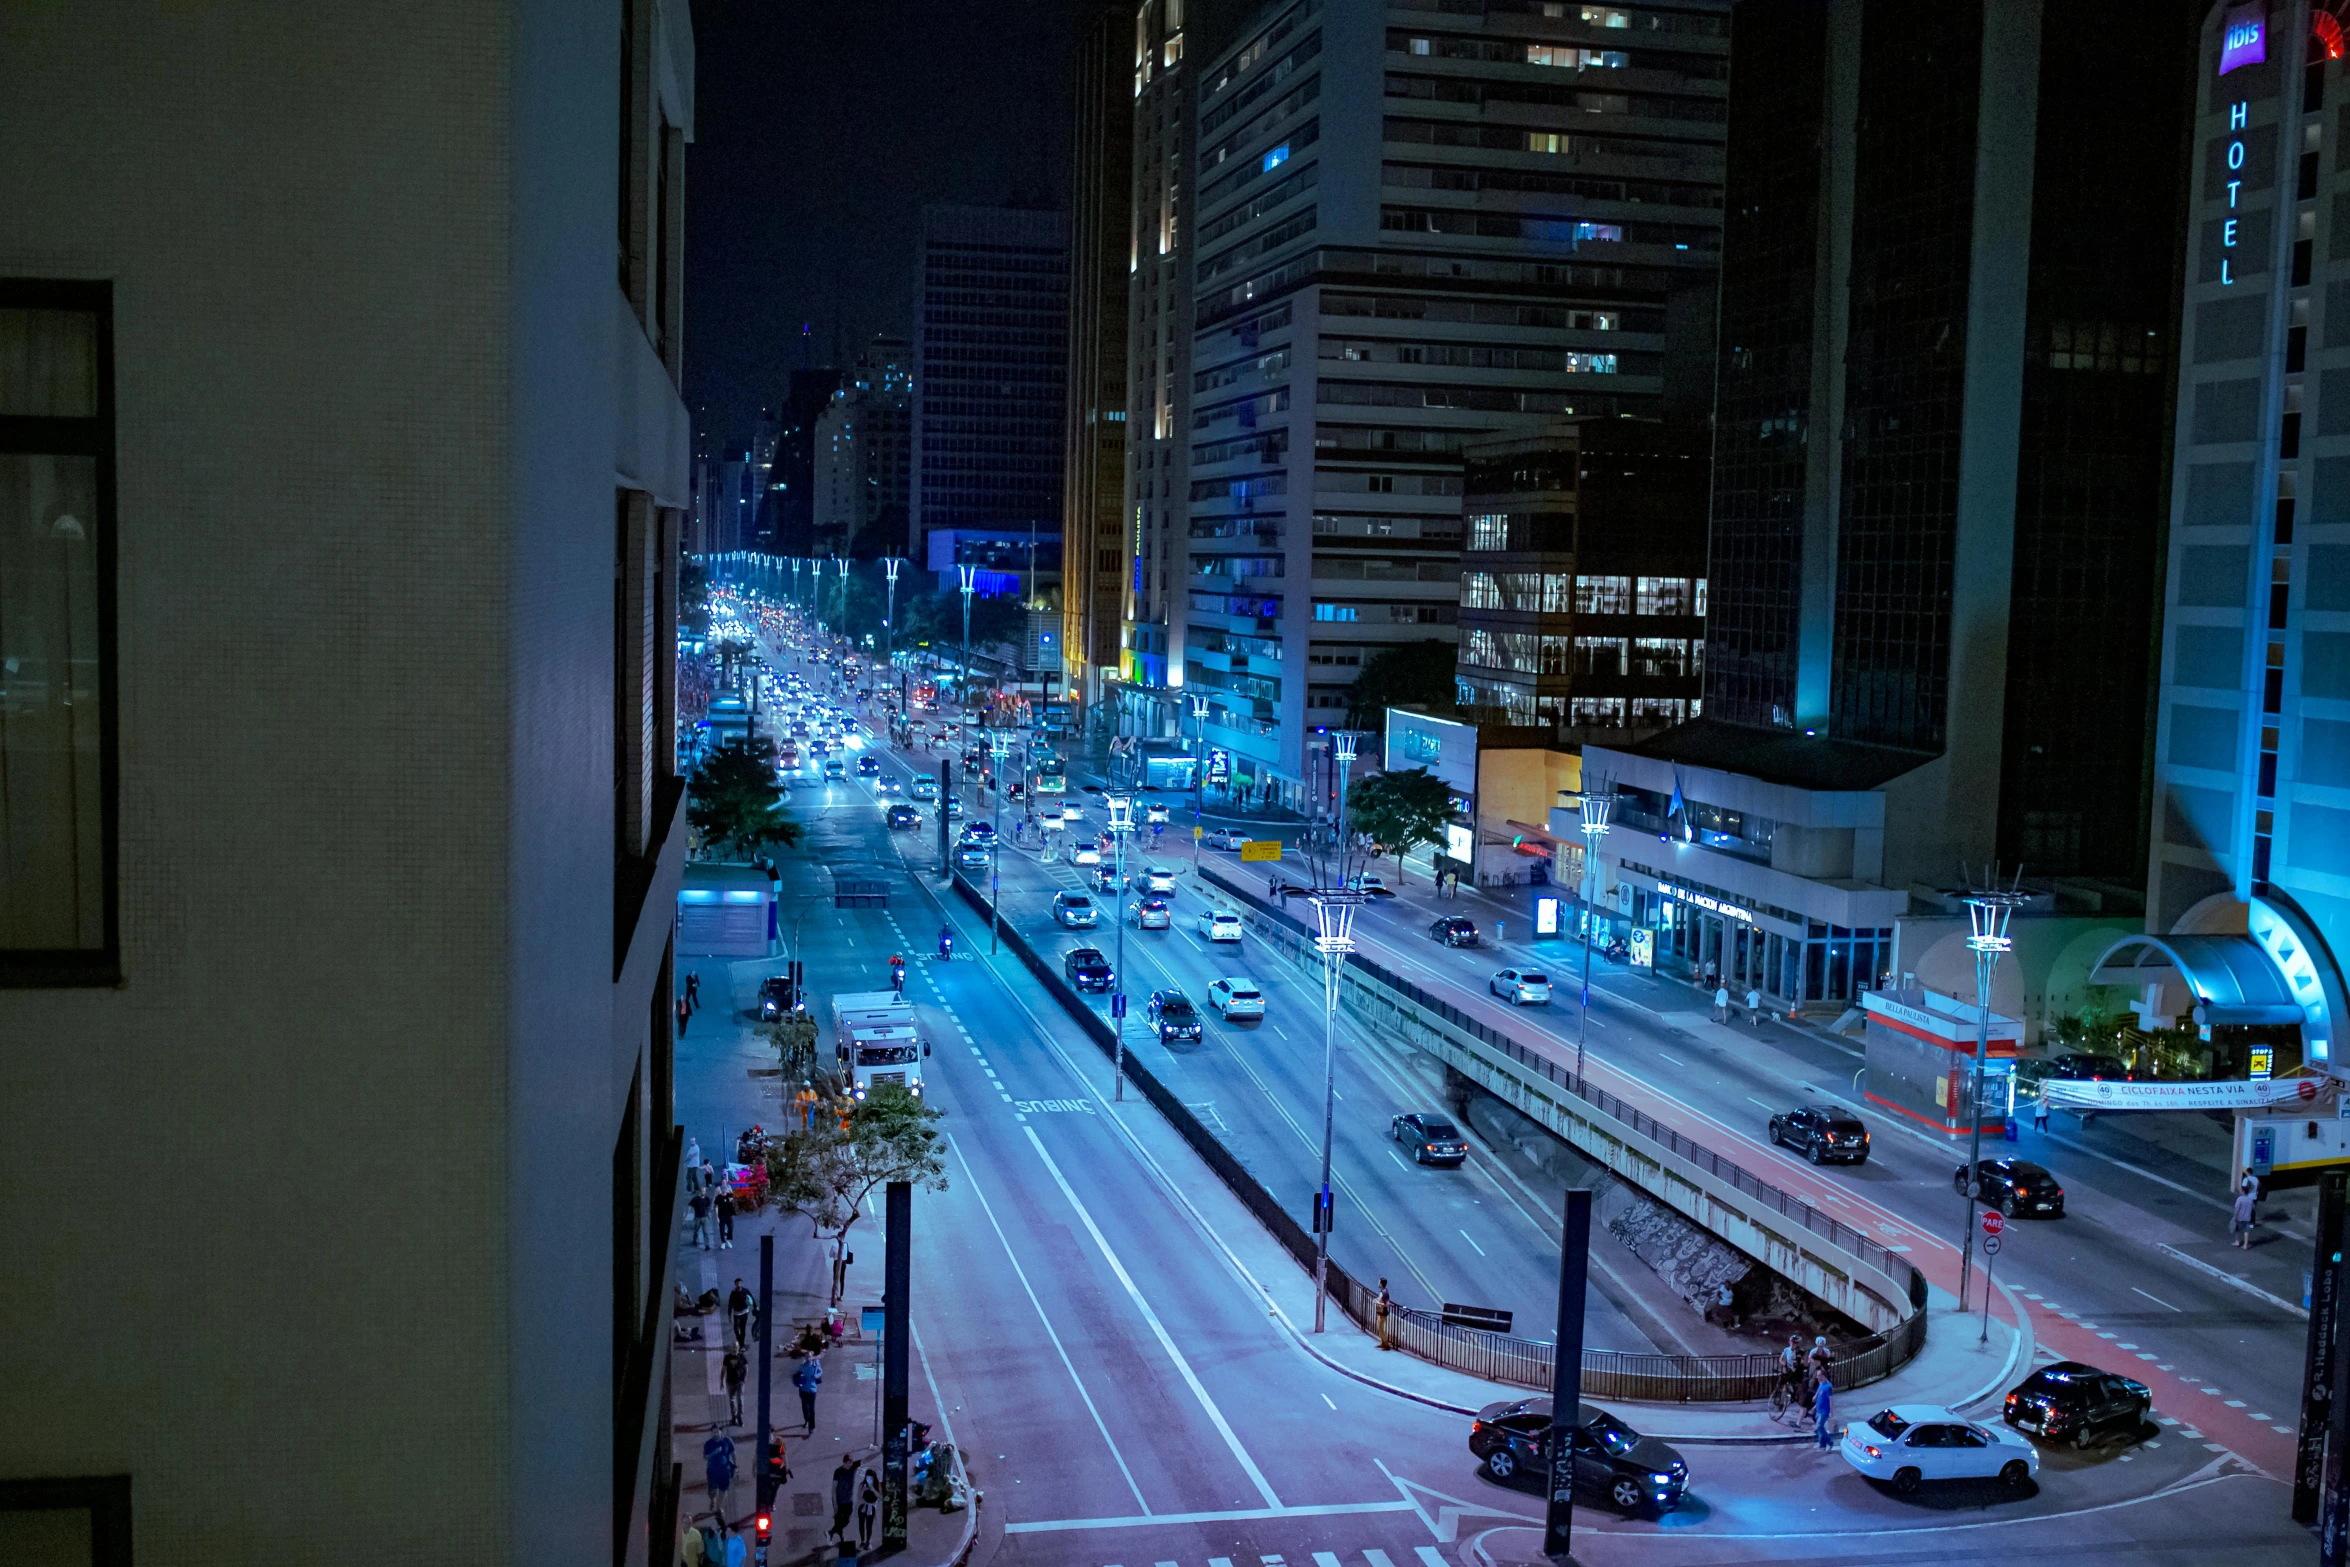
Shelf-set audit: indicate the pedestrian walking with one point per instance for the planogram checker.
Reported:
(844, 1494)
(738, 1307)
(725, 1219)
(2240, 1223)
(2040, 1112)
(868, 1509)
(1722, 1004)
(683, 1013)
(1822, 1404)
(700, 1203)
(807, 1379)
(1753, 1007)
(718, 1470)
(1383, 1314)
(738, 1366)
(693, 992)
(693, 1163)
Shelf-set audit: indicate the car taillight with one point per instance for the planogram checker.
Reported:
(1476, 1426)
(1870, 1450)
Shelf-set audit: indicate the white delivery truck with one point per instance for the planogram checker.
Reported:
(875, 1037)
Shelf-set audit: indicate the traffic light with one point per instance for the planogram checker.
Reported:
(763, 1524)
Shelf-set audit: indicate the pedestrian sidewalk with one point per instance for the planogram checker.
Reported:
(725, 1083)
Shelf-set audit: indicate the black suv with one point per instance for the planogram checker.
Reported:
(1637, 1473)
(2071, 1402)
(1824, 1132)
(1087, 969)
(2087, 1067)
(1172, 1016)
(868, 766)
(776, 997)
(1454, 930)
(2014, 1186)
(904, 816)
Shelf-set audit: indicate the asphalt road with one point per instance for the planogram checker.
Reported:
(1128, 1397)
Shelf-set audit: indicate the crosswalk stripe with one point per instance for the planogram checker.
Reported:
(1325, 1559)
(1377, 1559)
(1430, 1555)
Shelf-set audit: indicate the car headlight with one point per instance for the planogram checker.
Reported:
(1661, 1479)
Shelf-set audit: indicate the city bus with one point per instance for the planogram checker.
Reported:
(1052, 775)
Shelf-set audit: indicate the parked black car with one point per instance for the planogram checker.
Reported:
(1087, 969)
(1828, 1134)
(1172, 1016)
(1637, 1473)
(1431, 1138)
(2014, 1186)
(1454, 930)
(777, 996)
(2072, 1402)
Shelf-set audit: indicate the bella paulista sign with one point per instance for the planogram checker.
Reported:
(2260, 1093)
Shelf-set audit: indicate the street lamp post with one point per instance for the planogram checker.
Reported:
(1597, 804)
(889, 614)
(1988, 912)
(999, 746)
(1199, 767)
(1334, 918)
(970, 579)
(1342, 757)
(1121, 811)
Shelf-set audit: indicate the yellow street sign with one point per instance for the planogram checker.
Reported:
(1197, 833)
(1260, 849)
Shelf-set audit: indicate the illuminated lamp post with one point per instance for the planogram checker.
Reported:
(1597, 804)
(1334, 919)
(1121, 809)
(1988, 912)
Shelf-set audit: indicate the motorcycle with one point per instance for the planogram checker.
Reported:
(946, 947)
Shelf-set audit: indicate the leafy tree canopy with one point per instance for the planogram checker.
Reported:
(826, 1172)
(1400, 810)
(734, 801)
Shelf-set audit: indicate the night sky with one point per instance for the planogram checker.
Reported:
(821, 129)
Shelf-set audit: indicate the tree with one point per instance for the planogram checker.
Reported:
(794, 1037)
(1412, 674)
(826, 1172)
(734, 800)
(1400, 811)
(693, 596)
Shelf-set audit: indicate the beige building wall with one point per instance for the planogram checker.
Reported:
(322, 1222)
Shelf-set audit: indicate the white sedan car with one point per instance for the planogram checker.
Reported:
(1237, 998)
(1086, 854)
(1158, 878)
(1910, 1444)
(1521, 987)
(1220, 925)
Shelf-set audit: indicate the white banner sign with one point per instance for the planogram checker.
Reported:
(2073, 1094)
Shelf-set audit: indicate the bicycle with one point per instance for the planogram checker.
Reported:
(1786, 1394)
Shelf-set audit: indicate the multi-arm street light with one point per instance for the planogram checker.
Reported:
(1988, 912)
(1199, 767)
(969, 576)
(1334, 919)
(889, 614)
(1599, 800)
(999, 746)
(1121, 811)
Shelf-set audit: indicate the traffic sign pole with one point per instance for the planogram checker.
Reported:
(1993, 1223)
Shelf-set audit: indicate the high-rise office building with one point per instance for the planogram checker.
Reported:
(2248, 898)
(1413, 229)
(787, 442)
(1156, 491)
(1941, 426)
(340, 848)
(991, 325)
(1583, 576)
(864, 439)
(1096, 551)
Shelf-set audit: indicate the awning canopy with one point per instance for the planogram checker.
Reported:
(2231, 978)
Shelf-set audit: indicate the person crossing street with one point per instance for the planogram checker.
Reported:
(807, 1379)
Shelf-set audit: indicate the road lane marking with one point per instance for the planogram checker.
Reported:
(1234, 1515)
(1158, 1328)
(1058, 1348)
(1472, 1240)
(1750, 1099)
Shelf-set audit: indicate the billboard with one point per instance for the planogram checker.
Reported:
(1446, 748)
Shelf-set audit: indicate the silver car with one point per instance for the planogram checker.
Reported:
(1521, 987)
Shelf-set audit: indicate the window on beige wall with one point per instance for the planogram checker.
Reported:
(57, 744)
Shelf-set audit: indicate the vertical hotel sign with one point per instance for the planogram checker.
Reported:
(2243, 41)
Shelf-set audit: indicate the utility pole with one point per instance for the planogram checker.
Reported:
(763, 1488)
(1597, 804)
(1566, 1378)
(969, 576)
(1121, 809)
(897, 1330)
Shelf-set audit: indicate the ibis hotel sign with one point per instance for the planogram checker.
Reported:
(2244, 37)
